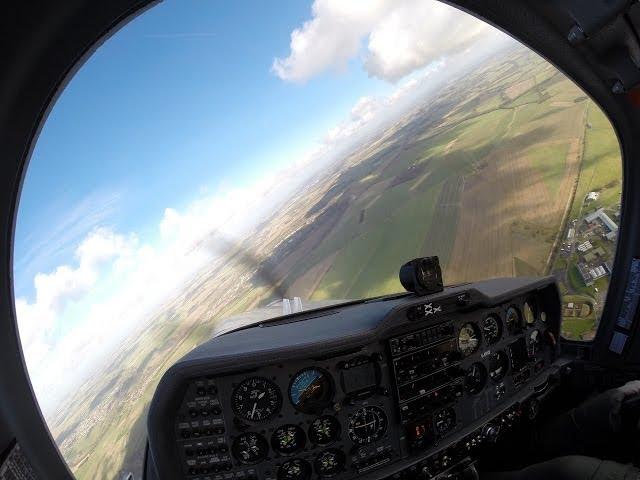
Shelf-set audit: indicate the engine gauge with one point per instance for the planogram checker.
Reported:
(513, 319)
(295, 469)
(468, 339)
(475, 378)
(329, 462)
(256, 399)
(445, 420)
(534, 343)
(492, 329)
(367, 425)
(528, 310)
(324, 430)
(498, 365)
(311, 390)
(288, 439)
(250, 448)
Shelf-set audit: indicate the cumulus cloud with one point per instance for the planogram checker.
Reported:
(55, 290)
(330, 39)
(392, 37)
(117, 280)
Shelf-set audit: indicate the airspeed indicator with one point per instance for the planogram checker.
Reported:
(256, 399)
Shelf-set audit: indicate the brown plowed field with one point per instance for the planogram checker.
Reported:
(509, 190)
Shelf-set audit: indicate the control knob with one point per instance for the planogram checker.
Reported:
(490, 433)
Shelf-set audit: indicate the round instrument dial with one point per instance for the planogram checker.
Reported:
(288, 439)
(475, 378)
(324, 430)
(468, 339)
(492, 329)
(528, 310)
(295, 469)
(513, 319)
(250, 448)
(367, 425)
(311, 390)
(498, 365)
(256, 399)
(445, 420)
(329, 462)
(534, 343)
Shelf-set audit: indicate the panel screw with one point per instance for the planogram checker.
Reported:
(576, 35)
(618, 87)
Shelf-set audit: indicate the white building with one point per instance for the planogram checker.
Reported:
(583, 247)
(609, 224)
(592, 196)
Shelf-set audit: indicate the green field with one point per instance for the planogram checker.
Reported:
(472, 176)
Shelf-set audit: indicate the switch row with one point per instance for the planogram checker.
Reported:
(210, 450)
(201, 432)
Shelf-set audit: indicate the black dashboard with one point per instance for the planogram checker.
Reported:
(391, 388)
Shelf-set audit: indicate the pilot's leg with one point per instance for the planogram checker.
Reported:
(575, 467)
(587, 429)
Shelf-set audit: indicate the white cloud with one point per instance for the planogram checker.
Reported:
(55, 290)
(330, 39)
(416, 33)
(393, 37)
(117, 281)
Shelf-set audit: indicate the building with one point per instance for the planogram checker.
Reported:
(591, 274)
(592, 196)
(609, 225)
(584, 273)
(583, 247)
(598, 272)
(571, 234)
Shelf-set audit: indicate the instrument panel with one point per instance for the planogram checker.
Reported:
(387, 392)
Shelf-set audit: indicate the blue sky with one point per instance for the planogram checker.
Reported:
(189, 119)
(180, 99)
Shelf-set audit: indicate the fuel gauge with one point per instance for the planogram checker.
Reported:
(324, 430)
(295, 469)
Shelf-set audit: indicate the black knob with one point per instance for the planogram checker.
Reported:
(463, 299)
(490, 433)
